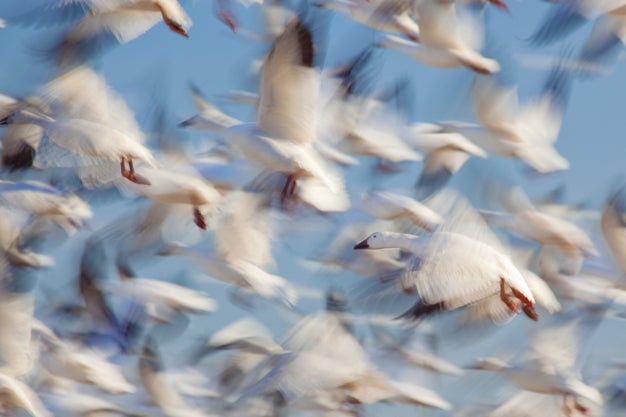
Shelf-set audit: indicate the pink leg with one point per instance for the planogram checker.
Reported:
(288, 191)
(198, 218)
(130, 174)
(505, 298)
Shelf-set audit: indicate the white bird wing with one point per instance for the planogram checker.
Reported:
(556, 348)
(439, 166)
(161, 292)
(454, 270)
(322, 355)
(98, 32)
(437, 20)
(266, 284)
(496, 106)
(290, 87)
(244, 231)
(84, 94)
(461, 217)
(209, 116)
(246, 328)
(607, 35)
(539, 121)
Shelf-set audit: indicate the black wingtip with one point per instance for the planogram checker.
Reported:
(305, 43)
(420, 310)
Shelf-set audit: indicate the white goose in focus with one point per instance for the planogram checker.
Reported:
(451, 270)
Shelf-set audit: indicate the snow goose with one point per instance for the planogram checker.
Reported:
(525, 132)
(88, 110)
(462, 262)
(387, 15)
(91, 125)
(321, 356)
(446, 152)
(527, 221)
(553, 364)
(565, 17)
(66, 210)
(243, 249)
(281, 139)
(449, 38)
(359, 115)
(104, 24)
(182, 186)
(156, 293)
(440, 270)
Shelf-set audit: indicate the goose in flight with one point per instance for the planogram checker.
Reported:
(552, 365)
(387, 15)
(88, 125)
(525, 132)
(281, 139)
(449, 38)
(607, 35)
(450, 270)
(98, 25)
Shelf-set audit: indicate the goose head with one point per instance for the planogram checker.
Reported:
(376, 240)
